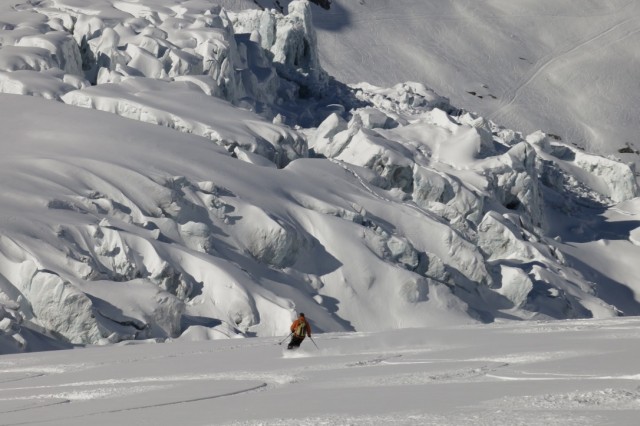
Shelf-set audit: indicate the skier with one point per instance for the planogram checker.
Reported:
(300, 328)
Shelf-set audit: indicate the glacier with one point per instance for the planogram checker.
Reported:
(178, 169)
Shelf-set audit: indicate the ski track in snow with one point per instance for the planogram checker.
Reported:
(556, 376)
(32, 406)
(543, 64)
(121, 232)
(25, 377)
(488, 418)
(79, 396)
(181, 401)
(482, 375)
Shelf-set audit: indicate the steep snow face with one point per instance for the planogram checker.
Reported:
(532, 64)
(185, 205)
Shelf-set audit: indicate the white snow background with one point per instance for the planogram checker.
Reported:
(181, 172)
(580, 372)
(568, 68)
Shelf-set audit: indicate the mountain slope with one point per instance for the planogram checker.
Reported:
(565, 67)
(226, 181)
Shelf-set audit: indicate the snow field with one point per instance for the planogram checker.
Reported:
(570, 372)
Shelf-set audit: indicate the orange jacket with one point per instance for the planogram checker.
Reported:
(301, 326)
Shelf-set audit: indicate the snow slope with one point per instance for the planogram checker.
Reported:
(568, 68)
(530, 373)
(175, 169)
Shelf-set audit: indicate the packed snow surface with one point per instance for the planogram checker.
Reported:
(176, 169)
(578, 372)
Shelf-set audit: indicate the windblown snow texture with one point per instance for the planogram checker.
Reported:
(177, 169)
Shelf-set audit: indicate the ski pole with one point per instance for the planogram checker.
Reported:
(314, 342)
(282, 341)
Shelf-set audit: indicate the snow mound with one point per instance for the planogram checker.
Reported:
(182, 106)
